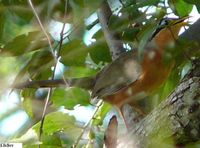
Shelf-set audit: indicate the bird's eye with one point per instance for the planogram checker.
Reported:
(164, 22)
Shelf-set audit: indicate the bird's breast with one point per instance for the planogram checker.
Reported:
(154, 72)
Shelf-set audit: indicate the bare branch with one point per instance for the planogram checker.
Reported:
(115, 45)
(86, 82)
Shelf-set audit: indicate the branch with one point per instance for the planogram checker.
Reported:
(115, 45)
(178, 117)
(86, 82)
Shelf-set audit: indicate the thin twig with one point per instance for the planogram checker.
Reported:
(87, 124)
(56, 62)
(40, 23)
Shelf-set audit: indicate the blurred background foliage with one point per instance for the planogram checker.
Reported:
(25, 55)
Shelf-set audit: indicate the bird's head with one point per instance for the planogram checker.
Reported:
(168, 31)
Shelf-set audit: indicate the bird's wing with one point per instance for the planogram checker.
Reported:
(120, 73)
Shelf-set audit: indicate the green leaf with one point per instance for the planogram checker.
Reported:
(129, 2)
(144, 36)
(130, 34)
(23, 11)
(143, 3)
(168, 86)
(28, 139)
(116, 23)
(180, 7)
(79, 72)
(33, 103)
(195, 2)
(38, 67)
(22, 73)
(70, 97)
(92, 3)
(99, 52)
(24, 43)
(1, 24)
(74, 53)
(49, 141)
(58, 121)
(85, 8)
(100, 115)
(15, 2)
(27, 96)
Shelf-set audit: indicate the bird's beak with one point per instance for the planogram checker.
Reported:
(181, 21)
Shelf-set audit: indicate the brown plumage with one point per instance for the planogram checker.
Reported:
(128, 76)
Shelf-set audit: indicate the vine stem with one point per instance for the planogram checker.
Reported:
(56, 58)
(100, 102)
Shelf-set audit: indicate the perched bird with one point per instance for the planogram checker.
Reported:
(126, 77)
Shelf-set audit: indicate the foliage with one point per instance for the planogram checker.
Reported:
(24, 45)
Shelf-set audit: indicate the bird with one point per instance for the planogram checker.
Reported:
(129, 76)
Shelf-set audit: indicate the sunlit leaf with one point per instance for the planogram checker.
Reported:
(9, 66)
(28, 139)
(51, 141)
(180, 7)
(70, 97)
(100, 115)
(58, 121)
